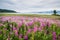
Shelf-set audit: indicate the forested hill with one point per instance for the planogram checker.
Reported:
(8, 11)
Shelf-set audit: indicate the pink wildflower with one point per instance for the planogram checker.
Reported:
(54, 35)
(35, 29)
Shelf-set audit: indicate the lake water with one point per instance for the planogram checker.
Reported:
(39, 13)
(31, 13)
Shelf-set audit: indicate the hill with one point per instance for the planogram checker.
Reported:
(8, 11)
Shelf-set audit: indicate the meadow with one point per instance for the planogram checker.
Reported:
(29, 27)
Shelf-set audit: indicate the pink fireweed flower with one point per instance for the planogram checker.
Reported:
(35, 19)
(40, 28)
(35, 29)
(26, 23)
(5, 28)
(48, 24)
(20, 36)
(19, 24)
(1, 24)
(42, 24)
(30, 23)
(16, 32)
(14, 28)
(25, 37)
(29, 30)
(54, 35)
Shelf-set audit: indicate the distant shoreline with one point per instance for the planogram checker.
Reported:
(29, 13)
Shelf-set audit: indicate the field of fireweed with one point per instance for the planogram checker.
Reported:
(29, 28)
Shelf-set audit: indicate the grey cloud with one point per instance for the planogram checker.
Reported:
(29, 4)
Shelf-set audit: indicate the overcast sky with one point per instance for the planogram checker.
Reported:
(30, 5)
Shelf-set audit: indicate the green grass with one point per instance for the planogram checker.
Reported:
(32, 15)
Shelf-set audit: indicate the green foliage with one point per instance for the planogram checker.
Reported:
(45, 34)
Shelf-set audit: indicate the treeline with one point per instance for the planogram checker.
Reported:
(5, 10)
(55, 13)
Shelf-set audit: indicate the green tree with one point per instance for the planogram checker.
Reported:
(54, 12)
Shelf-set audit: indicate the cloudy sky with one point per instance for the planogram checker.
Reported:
(30, 5)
